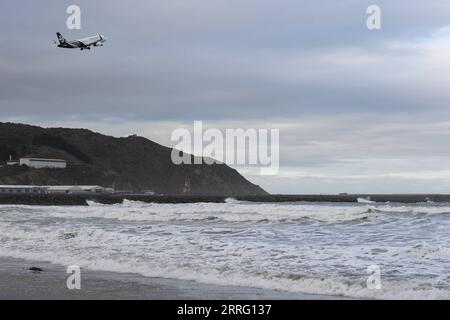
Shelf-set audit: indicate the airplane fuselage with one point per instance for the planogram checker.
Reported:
(85, 43)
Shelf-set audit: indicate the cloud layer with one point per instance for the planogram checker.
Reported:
(358, 110)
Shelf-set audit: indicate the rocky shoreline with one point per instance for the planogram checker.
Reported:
(81, 200)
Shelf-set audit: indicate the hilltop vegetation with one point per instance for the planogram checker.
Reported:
(132, 163)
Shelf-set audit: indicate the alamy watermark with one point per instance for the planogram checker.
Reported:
(373, 21)
(254, 147)
(74, 19)
(374, 280)
(74, 280)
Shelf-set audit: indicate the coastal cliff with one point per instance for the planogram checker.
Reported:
(132, 163)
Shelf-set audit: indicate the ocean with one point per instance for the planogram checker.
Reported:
(299, 247)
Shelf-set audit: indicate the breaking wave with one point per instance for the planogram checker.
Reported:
(318, 248)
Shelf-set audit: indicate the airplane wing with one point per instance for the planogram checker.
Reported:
(79, 44)
(87, 42)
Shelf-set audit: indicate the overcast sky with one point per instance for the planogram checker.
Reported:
(358, 110)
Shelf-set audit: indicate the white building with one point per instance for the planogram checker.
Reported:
(28, 189)
(12, 162)
(78, 189)
(38, 163)
(17, 189)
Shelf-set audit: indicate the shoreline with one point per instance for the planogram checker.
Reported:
(17, 282)
(81, 199)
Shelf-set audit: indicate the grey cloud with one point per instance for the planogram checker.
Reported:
(178, 59)
(353, 101)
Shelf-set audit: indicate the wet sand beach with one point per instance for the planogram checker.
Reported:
(18, 282)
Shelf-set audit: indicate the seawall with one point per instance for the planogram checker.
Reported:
(60, 200)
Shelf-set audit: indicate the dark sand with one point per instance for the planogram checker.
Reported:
(18, 282)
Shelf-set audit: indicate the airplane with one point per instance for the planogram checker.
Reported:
(85, 43)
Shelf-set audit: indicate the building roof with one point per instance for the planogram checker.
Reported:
(50, 187)
(72, 187)
(14, 186)
(42, 159)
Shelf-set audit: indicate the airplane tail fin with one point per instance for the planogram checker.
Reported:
(60, 37)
